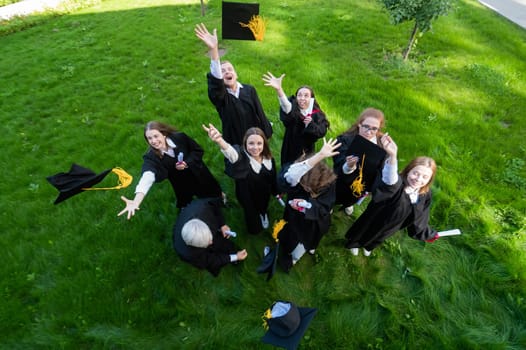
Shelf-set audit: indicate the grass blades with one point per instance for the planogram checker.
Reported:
(79, 88)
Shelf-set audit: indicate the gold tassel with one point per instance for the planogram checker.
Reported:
(266, 316)
(257, 26)
(125, 180)
(358, 185)
(278, 226)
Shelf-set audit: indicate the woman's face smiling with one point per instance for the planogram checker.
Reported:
(156, 139)
(255, 145)
(369, 127)
(303, 96)
(419, 176)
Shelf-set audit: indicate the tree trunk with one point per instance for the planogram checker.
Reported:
(407, 50)
(202, 8)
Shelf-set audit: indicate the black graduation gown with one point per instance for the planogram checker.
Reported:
(308, 227)
(390, 210)
(299, 139)
(196, 180)
(253, 190)
(215, 256)
(237, 114)
(344, 194)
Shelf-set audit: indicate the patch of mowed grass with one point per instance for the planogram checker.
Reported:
(80, 87)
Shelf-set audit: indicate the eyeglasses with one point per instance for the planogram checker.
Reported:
(370, 128)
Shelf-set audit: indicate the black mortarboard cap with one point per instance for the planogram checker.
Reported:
(286, 330)
(75, 181)
(269, 262)
(241, 21)
(371, 155)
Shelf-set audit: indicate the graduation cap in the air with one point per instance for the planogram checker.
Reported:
(270, 260)
(241, 21)
(286, 323)
(79, 179)
(371, 157)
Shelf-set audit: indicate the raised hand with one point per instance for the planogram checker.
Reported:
(389, 145)
(329, 148)
(272, 81)
(213, 133)
(209, 39)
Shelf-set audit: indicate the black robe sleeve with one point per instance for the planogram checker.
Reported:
(240, 169)
(263, 122)
(193, 153)
(151, 162)
(321, 207)
(420, 229)
(317, 128)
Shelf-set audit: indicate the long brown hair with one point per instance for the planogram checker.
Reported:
(368, 113)
(266, 154)
(318, 178)
(424, 161)
(164, 129)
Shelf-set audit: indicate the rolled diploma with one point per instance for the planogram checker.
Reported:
(453, 232)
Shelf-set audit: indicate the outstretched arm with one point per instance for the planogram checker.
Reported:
(209, 39)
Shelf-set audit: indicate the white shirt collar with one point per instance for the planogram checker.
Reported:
(256, 166)
(171, 146)
(235, 93)
(413, 193)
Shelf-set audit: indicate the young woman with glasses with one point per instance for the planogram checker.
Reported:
(346, 164)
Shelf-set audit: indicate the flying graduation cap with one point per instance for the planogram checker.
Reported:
(241, 21)
(79, 179)
(371, 157)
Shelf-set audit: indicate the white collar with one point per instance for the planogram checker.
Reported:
(256, 166)
(171, 146)
(236, 92)
(413, 193)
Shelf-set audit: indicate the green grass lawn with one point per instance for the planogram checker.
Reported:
(80, 87)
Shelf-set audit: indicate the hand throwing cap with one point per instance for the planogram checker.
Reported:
(79, 179)
(286, 323)
(241, 21)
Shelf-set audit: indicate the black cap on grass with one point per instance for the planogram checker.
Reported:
(241, 21)
(286, 323)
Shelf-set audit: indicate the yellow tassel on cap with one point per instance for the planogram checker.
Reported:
(257, 26)
(266, 316)
(278, 226)
(358, 186)
(125, 180)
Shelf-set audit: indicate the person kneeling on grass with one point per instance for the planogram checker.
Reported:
(201, 237)
(400, 201)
